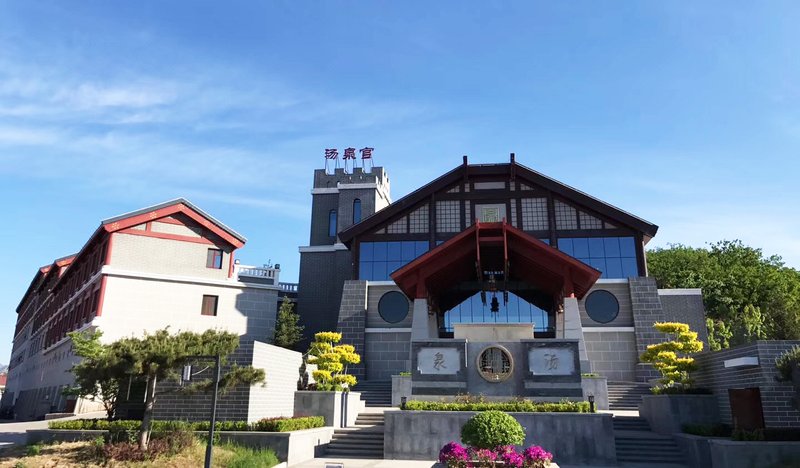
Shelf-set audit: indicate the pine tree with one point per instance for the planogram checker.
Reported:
(160, 356)
(287, 330)
(331, 361)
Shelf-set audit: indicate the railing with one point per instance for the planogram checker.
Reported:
(288, 287)
(258, 272)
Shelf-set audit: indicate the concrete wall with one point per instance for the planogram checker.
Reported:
(401, 387)
(572, 438)
(374, 320)
(612, 353)
(282, 369)
(340, 409)
(775, 396)
(597, 386)
(706, 452)
(165, 256)
(133, 305)
(667, 414)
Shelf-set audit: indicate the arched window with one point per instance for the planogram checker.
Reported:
(356, 211)
(332, 223)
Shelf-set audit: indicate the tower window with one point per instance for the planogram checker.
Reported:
(356, 211)
(332, 223)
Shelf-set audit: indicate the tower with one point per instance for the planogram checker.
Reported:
(339, 200)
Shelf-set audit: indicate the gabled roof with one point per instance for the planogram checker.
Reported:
(167, 208)
(133, 218)
(495, 247)
(466, 171)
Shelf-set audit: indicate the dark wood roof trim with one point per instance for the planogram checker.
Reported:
(463, 171)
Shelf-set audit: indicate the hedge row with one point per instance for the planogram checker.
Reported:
(264, 425)
(510, 406)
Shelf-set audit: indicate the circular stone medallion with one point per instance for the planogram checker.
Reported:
(495, 364)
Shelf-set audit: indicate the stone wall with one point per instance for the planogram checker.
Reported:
(352, 320)
(647, 310)
(387, 354)
(612, 353)
(775, 396)
(685, 306)
(572, 438)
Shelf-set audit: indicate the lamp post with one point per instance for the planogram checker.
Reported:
(187, 375)
(591, 403)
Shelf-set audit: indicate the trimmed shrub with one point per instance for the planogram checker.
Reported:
(786, 362)
(288, 425)
(490, 429)
(523, 406)
(121, 430)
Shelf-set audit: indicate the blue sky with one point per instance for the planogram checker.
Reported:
(683, 113)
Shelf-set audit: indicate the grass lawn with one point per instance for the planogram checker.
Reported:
(84, 454)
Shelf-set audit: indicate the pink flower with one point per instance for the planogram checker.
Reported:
(512, 459)
(454, 455)
(536, 457)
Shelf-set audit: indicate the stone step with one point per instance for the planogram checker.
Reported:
(358, 443)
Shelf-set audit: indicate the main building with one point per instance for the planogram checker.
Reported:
(487, 243)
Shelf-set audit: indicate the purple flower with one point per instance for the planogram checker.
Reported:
(512, 459)
(454, 454)
(536, 457)
(484, 455)
(505, 449)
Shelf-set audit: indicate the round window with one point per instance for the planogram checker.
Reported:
(495, 364)
(393, 306)
(602, 306)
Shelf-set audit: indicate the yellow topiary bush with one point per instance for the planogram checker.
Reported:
(332, 361)
(673, 358)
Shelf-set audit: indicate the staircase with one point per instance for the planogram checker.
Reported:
(638, 446)
(375, 393)
(364, 440)
(626, 395)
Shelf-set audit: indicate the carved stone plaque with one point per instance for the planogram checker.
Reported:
(551, 361)
(438, 361)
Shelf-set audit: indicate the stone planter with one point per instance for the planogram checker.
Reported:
(573, 438)
(597, 386)
(666, 414)
(339, 409)
(401, 387)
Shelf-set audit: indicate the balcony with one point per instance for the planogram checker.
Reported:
(260, 275)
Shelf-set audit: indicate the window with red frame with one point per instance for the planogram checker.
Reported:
(209, 305)
(214, 259)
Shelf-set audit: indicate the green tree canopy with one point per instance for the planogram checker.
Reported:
(747, 295)
(159, 356)
(287, 330)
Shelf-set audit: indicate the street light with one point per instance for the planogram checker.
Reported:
(591, 403)
(187, 376)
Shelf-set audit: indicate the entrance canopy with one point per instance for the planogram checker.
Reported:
(495, 254)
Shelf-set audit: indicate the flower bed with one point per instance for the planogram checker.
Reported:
(455, 455)
(264, 425)
(510, 406)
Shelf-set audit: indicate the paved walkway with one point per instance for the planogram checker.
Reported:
(13, 433)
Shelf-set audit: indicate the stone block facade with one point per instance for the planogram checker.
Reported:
(775, 396)
(613, 354)
(647, 311)
(353, 320)
(388, 354)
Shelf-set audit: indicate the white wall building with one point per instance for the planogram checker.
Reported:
(167, 265)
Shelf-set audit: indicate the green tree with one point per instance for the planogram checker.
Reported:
(332, 361)
(95, 377)
(673, 358)
(161, 356)
(287, 330)
(747, 295)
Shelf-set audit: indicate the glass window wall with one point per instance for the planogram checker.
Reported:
(378, 260)
(614, 256)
